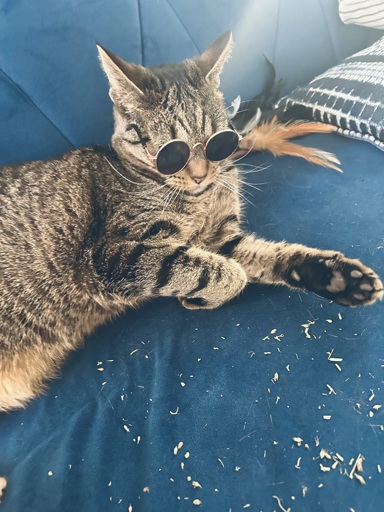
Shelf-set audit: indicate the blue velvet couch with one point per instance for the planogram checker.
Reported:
(228, 410)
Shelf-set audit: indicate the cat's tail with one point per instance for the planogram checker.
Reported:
(275, 136)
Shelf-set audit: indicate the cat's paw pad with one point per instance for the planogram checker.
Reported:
(340, 279)
(194, 303)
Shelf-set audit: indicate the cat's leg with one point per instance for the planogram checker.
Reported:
(327, 273)
(198, 278)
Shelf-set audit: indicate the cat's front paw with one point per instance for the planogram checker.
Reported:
(340, 279)
(225, 280)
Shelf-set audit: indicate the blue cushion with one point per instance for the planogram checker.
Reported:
(48, 55)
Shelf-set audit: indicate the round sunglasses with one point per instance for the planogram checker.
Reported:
(174, 155)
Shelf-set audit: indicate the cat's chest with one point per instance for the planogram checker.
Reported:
(190, 221)
(183, 226)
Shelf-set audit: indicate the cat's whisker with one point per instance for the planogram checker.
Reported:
(151, 189)
(160, 203)
(252, 185)
(245, 183)
(227, 186)
(155, 207)
(234, 191)
(223, 185)
(173, 198)
(120, 174)
(178, 195)
(169, 198)
(241, 192)
(254, 169)
(261, 167)
(166, 200)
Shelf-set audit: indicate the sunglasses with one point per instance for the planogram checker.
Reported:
(174, 156)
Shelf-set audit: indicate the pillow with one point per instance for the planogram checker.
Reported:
(369, 13)
(349, 96)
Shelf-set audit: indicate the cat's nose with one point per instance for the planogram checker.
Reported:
(198, 179)
(198, 169)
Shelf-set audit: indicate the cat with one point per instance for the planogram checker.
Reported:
(157, 213)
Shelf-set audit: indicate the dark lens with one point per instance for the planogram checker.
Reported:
(222, 145)
(173, 157)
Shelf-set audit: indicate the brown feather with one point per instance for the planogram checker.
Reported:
(275, 136)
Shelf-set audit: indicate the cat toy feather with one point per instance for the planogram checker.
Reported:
(275, 137)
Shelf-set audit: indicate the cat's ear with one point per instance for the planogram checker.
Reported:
(212, 60)
(126, 80)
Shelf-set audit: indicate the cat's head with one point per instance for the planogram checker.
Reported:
(153, 106)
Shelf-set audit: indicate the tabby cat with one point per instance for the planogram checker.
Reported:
(157, 213)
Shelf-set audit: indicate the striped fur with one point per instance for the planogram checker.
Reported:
(86, 235)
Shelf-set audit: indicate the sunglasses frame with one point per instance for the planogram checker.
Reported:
(154, 158)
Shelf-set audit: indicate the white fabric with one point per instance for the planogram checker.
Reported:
(369, 13)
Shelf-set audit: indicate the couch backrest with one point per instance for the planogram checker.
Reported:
(53, 95)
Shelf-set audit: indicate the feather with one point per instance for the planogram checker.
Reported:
(274, 136)
(259, 107)
(235, 105)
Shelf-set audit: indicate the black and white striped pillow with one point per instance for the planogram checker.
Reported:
(349, 96)
(369, 13)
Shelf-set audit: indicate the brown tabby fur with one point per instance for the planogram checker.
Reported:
(87, 235)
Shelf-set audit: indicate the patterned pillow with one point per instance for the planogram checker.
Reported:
(349, 96)
(369, 13)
